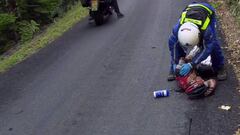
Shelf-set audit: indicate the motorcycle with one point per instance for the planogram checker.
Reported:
(99, 10)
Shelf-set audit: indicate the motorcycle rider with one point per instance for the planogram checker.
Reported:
(196, 26)
(114, 4)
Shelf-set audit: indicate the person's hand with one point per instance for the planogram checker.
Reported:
(188, 58)
(186, 68)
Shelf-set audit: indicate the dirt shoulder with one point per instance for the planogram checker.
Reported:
(230, 29)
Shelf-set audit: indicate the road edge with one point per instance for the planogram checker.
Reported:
(230, 31)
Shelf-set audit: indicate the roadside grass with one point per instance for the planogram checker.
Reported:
(55, 30)
(216, 4)
(234, 6)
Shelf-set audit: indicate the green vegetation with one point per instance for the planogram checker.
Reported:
(7, 30)
(55, 30)
(215, 4)
(6, 20)
(21, 19)
(27, 29)
(235, 8)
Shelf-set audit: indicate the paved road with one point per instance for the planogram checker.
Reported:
(99, 81)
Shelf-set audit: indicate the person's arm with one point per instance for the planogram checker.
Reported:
(173, 40)
(208, 45)
(192, 53)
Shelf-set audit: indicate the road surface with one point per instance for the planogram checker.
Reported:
(99, 81)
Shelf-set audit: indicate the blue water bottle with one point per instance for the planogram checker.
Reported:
(161, 93)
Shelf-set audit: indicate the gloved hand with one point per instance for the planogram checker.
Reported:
(186, 68)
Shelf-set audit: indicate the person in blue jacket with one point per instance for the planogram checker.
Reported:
(196, 27)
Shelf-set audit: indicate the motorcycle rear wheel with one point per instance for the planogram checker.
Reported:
(98, 18)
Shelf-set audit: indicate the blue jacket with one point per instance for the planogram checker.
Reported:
(208, 37)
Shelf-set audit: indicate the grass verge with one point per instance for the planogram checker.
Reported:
(55, 30)
(235, 8)
(216, 4)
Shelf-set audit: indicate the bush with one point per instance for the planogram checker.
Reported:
(38, 10)
(27, 29)
(7, 30)
(6, 21)
(47, 8)
(43, 11)
(53, 8)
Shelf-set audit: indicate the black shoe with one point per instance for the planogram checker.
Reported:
(222, 74)
(179, 90)
(171, 76)
(120, 15)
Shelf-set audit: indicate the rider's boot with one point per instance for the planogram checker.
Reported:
(120, 15)
(171, 76)
(222, 74)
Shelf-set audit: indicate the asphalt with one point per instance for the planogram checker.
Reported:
(99, 81)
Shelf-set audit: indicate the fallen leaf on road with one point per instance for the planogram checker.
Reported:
(225, 107)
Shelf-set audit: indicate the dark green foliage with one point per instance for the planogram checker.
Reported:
(42, 11)
(27, 29)
(39, 10)
(5, 47)
(7, 30)
(2, 5)
(6, 21)
(21, 19)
